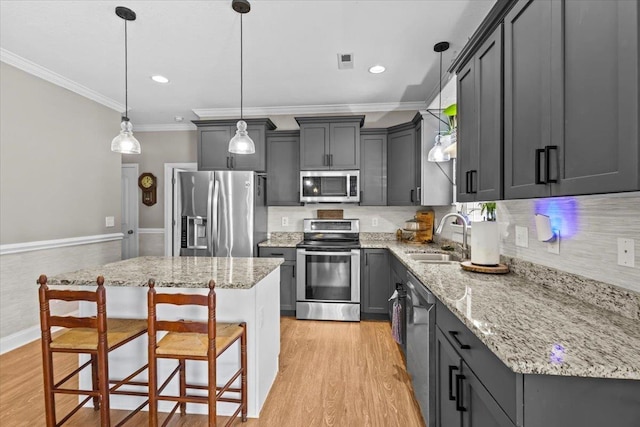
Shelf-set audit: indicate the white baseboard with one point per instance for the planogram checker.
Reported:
(24, 337)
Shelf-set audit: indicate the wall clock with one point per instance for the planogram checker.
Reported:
(148, 183)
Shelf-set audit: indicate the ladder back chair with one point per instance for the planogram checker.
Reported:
(201, 341)
(94, 336)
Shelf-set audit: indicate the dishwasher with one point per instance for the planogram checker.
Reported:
(420, 330)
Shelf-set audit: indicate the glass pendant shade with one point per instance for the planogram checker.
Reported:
(438, 153)
(125, 142)
(241, 143)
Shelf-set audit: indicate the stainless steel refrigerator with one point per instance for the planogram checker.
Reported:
(221, 213)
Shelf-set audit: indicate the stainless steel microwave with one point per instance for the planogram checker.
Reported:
(330, 186)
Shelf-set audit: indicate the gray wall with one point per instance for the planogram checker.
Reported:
(58, 179)
(159, 148)
(58, 176)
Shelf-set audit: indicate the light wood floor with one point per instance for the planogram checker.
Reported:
(331, 374)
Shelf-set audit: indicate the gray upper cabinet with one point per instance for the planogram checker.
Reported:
(571, 98)
(480, 123)
(403, 165)
(373, 167)
(283, 172)
(213, 144)
(330, 142)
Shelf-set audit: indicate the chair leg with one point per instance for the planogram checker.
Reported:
(183, 385)
(243, 365)
(213, 381)
(94, 381)
(49, 398)
(153, 390)
(103, 385)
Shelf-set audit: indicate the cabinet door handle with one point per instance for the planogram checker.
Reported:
(466, 182)
(366, 259)
(294, 271)
(277, 254)
(411, 195)
(459, 407)
(454, 336)
(539, 151)
(451, 369)
(233, 166)
(228, 167)
(547, 163)
(474, 188)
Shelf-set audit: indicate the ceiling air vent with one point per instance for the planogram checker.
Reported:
(345, 61)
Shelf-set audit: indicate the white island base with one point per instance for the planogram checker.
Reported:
(258, 306)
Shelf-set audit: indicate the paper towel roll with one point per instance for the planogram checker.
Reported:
(485, 243)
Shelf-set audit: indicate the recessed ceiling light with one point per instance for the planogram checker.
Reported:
(377, 69)
(160, 79)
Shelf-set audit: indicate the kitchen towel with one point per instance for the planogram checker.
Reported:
(396, 325)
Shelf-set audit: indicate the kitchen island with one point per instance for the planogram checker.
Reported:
(247, 290)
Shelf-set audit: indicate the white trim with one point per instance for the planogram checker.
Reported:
(168, 200)
(25, 336)
(169, 127)
(135, 210)
(14, 248)
(151, 230)
(32, 68)
(310, 109)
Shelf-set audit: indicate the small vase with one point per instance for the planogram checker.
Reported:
(485, 243)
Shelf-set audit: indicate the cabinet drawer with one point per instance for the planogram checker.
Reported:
(499, 380)
(287, 253)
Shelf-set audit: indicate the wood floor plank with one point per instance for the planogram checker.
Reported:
(332, 374)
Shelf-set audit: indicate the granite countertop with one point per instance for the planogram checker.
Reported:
(530, 326)
(182, 272)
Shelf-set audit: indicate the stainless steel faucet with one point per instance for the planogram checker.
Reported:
(465, 248)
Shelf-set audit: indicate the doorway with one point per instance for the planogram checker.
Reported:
(129, 193)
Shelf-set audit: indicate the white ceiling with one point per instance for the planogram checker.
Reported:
(290, 53)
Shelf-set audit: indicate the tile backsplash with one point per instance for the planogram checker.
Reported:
(589, 228)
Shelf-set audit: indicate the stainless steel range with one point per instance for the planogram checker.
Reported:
(328, 270)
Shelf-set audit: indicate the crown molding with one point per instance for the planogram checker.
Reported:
(168, 127)
(32, 68)
(310, 109)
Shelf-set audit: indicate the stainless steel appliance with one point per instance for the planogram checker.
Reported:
(329, 186)
(420, 318)
(328, 270)
(220, 213)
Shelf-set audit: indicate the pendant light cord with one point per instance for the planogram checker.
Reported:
(126, 85)
(241, 68)
(440, 95)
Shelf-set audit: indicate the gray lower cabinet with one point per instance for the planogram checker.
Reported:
(375, 284)
(283, 171)
(330, 142)
(571, 98)
(287, 277)
(480, 123)
(213, 145)
(403, 165)
(373, 167)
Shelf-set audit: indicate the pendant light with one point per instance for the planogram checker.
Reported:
(241, 143)
(438, 153)
(125, 142)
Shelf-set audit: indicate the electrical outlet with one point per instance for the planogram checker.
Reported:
(109, 221)
(285, 221)
(626, 252)
(374, 222)
(554, 247)
(522, 236)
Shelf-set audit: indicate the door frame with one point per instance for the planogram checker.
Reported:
(168, 201)
(135, 208)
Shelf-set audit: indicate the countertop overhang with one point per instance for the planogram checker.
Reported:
(180, 272)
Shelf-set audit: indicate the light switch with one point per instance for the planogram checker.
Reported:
(522, 236)
(626, 252)
(109, 221)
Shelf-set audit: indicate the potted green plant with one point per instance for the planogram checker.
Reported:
(490, 209)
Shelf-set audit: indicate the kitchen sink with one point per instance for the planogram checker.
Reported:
(432, 258)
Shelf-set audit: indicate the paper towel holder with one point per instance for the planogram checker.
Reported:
(544, 230)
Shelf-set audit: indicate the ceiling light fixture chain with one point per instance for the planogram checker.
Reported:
(241, 69)
(126, 72)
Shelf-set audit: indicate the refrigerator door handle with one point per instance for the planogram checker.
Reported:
(214, 218)
(208, 229)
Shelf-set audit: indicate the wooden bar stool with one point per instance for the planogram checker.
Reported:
(95, 336)
(188, 340)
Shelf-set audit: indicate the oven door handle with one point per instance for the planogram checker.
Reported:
(337, 253)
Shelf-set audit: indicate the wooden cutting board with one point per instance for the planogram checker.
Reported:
(497, 269)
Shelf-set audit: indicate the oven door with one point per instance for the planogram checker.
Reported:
(328, 276)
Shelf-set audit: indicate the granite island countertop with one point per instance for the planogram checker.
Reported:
(183, 272)
(530, 327)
